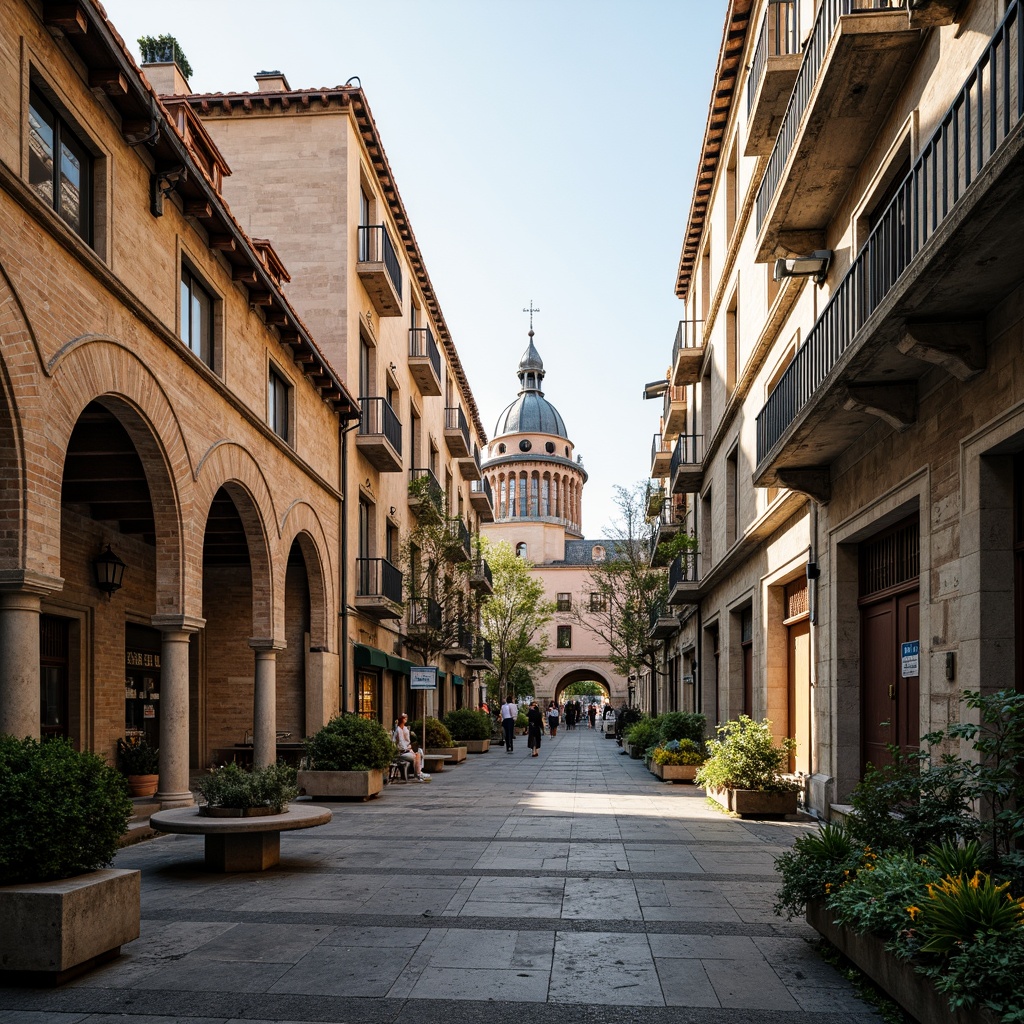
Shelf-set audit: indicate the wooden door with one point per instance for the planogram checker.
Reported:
(799, 703)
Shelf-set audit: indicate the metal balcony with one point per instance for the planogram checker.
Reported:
(684, 579)
(480, 578)
(456, 432)
(461, 645)
(424, 360)
(423, 487)
(687, 353)
(777, 59)
(673, 419)
(854, 65)
(482, 500)
(469, 465)
(481, 657)
(662, 623)
(460, 541)
(379, 269)
(948, 247)
(378, 588)
(656, 500)
(424, 614)
(661, 457)
(686, 471)
(380, 435)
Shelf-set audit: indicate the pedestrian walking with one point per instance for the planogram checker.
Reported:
(534, 728)
(570, 715)
(509, 714)
(592, 715)
(553, 718)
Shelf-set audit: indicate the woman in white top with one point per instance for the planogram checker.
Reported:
(405, 749)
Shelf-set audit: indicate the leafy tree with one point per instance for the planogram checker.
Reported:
(628, 589)
(164, 49)
(513, 620)
(519, 684)
(584, 689)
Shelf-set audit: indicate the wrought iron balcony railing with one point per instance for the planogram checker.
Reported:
(989, 105)
(778, 37)
(377, 417)
(375, 246)
(377, 577)
(423, 485)
(424, 613)
(684, 569)
(421, 343)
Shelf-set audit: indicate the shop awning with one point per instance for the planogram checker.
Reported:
(369, 657)
(399, 665)
(457, 680)
(441, 677)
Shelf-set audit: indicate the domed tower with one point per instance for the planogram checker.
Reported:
(536, 480)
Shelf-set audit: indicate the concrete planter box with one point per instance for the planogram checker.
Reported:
(457, 754)
(756, 803)
(53, 931)
(675, 772)
(341, 785)
(476, 746)
(913, 991)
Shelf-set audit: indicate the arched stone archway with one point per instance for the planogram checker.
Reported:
(581, 675)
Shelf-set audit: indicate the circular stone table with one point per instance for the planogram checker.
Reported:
(240, 844)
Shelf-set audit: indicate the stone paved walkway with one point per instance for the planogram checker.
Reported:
(573, 887)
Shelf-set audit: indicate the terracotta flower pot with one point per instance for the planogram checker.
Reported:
(142, 785)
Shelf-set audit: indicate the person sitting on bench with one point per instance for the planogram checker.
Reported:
(406, 752)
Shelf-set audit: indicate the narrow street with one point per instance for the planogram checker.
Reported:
(570, 887)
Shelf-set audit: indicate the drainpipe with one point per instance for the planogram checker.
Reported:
(813, 573)
(698, 669)
(343, 542)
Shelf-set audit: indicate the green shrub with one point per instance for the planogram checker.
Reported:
(350, 743)
(465, 724)
(679, 752)
(817, 864)
(62, 811)
(746, 758)
(136, 757)
(234, 786)
(521, 720)
(684, 725)
(951, 859)
(958, 909)
(629, 715)
(645, 733)
(987, 972)
(437, 735)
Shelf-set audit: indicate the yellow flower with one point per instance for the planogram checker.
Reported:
(913, 912)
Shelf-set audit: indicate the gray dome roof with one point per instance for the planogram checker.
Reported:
(531, 412)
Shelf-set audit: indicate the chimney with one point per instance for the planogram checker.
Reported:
(167, 79)
(272, 81)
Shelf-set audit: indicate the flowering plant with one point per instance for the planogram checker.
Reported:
(136, 757)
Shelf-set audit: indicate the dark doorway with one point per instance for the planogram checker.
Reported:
(53, 677)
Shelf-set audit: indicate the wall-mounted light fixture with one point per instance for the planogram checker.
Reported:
(109, 571)
(815, 265)
(393, 510)
(655, 389)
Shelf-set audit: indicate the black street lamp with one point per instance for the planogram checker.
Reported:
(109, 572)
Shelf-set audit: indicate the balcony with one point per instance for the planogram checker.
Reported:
(380, 435)
(855, 62)
(460, 541)
(673, 419)
(661, 457)
(424, 615)
(425, 360)
(656, 501)
(481, 656)
(687, 353)
(456, 432)
(480, 578)
(671, 519)
(378, 588)
(947, 248)
(461, 645)
(686, 471)
(379, 269)
(424, 488)
(662, 623)
(777, 59)
(683, 579)
(482, 500)
(469, 465)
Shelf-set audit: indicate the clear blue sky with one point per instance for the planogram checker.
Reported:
(544, 149)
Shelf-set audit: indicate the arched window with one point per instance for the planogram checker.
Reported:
(521, 549)
(597, 553)
(534, 495)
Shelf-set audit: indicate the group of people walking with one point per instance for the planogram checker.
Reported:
(573, 712)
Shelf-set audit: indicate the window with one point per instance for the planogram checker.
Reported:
(525, 445)
(521, 549)
(564, 602)
(599, 602)
(366, 694)
(277, 404)
(597, 553)
(196, 327)
(501, 449)
(60, 168)
(564, 637)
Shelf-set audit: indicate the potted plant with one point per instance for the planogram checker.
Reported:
(641, 736)
(346, 759)
(140, 764)
(62, 815)
(677, 761)
(232, 791)
(470, 729)
(744, 770)
(437, 740)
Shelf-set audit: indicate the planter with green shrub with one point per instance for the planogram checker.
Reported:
(642, 736)
(744, 770)
(346, 759)
(470, 729)
(232, 791)
(140, 765)
(62, 814)
(677, 761)
(923, 886)
(438, 741)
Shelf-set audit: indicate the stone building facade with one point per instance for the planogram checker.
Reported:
(843, 417)
(537, 482)
(165, 415)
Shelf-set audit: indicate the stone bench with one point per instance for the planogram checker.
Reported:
(240, 844)
(435, 762)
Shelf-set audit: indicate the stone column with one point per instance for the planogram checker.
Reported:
(177, 630)
(264, 725)
(19, 663)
